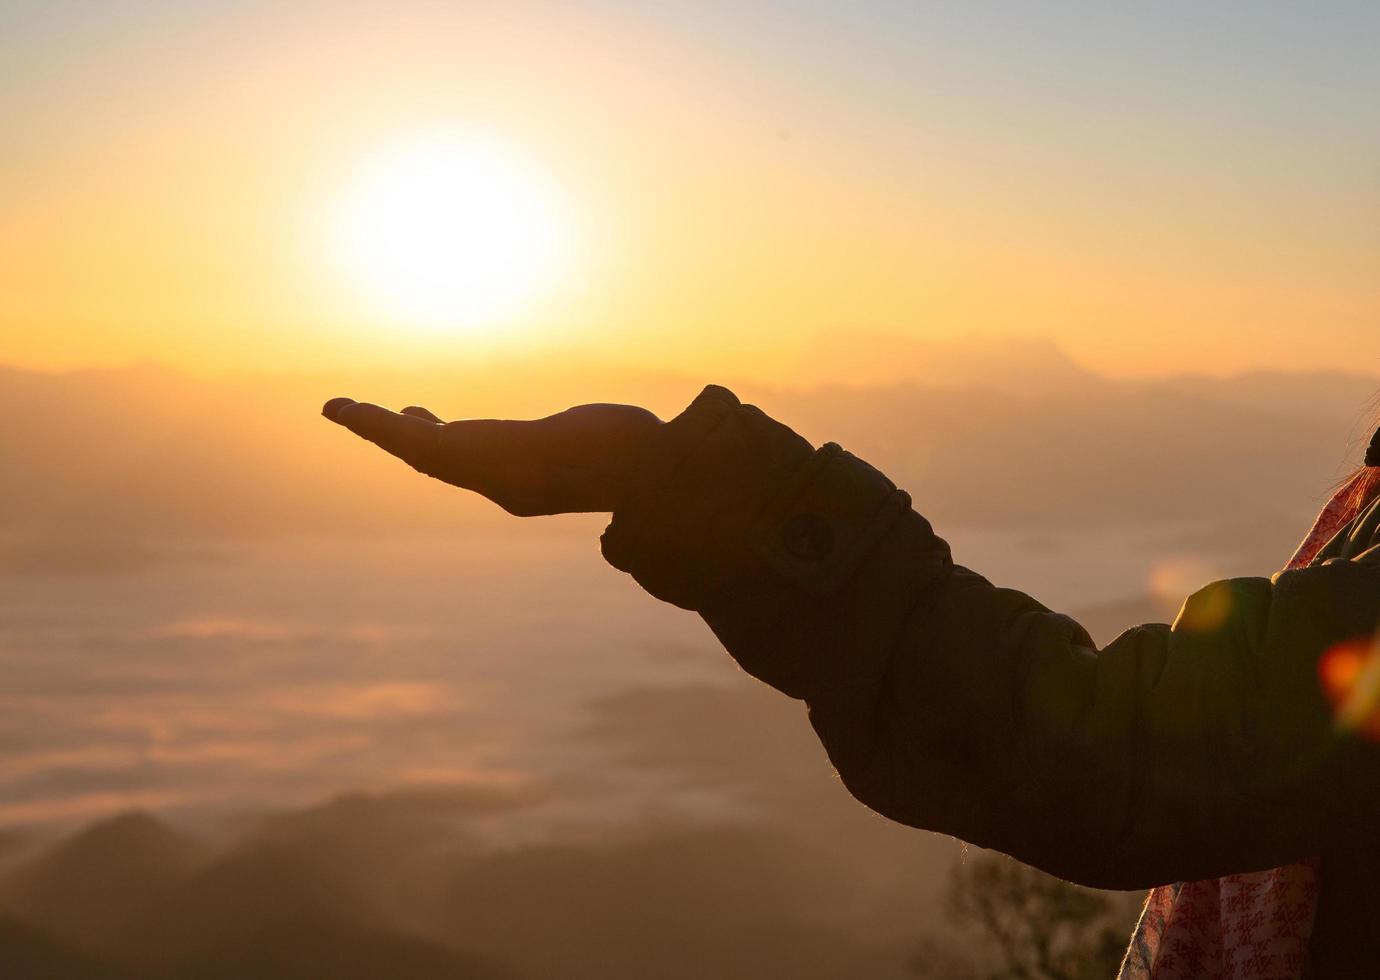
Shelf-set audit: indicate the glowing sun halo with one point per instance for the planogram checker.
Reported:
(449, 234)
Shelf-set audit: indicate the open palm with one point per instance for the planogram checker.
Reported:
(575, 461)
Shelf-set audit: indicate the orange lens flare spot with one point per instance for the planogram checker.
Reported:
(1350, 676)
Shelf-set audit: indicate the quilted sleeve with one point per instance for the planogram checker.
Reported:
(947, 703)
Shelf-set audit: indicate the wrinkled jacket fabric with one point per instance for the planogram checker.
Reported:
(1174, 753)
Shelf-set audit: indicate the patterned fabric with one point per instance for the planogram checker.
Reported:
(1246, 926)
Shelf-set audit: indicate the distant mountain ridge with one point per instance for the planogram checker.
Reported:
(308, 896)
(124, 461)
(91, 886)
(130, 896)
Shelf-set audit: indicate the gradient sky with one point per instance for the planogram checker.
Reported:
(1159, 187)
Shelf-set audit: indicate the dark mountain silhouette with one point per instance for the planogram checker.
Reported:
(297, 949)
(356, 858)
(727, 902)
(91, 887)
(12, 843)
(26, 953)
(254, 888)
(309, 896)
(306, 895)
(301, 949)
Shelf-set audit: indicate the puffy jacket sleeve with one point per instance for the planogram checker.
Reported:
(947, 703)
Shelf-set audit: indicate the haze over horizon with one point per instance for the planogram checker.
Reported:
(175, 546)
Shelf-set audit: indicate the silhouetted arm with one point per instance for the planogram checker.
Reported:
(949, 704)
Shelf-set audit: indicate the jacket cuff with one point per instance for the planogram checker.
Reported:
(724, 496)
(805, 563)
(827, 519)
(655, 473)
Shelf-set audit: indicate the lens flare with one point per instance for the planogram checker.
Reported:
(1350, 677)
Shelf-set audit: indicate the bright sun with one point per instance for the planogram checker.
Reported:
(449, 234)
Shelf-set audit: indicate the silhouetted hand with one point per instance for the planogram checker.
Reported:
(572, 462)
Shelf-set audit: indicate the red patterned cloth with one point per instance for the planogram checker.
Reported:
(1247, 926)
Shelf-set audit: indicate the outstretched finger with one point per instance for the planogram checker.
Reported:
(408, 437)
(422, 413)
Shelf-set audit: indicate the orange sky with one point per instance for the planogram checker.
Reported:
(1156, 193)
